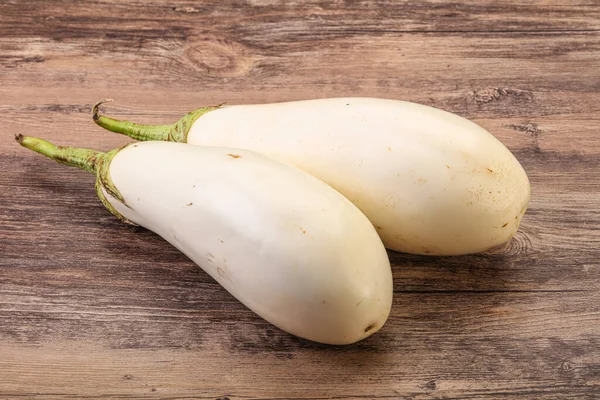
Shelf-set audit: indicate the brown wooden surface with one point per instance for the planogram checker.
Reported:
(91, 309)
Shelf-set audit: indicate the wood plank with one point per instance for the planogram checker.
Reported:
(293, 20)
(65, 371)
(395, 62)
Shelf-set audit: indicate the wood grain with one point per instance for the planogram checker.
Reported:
(89, 308)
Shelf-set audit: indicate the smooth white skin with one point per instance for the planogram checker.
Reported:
(430, 181)
(282, 242)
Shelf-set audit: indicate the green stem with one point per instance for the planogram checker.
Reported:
(92, 161)
(176, 132)
(84, 159)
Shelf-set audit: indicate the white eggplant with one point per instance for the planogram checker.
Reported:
(430, 181)
(282, 242)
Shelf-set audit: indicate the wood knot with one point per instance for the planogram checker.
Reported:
(219, 58)
(431, 385)
(187, 10)
(532, 129)
(490, 94)
(519, 245)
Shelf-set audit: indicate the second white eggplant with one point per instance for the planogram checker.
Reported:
(432, 182)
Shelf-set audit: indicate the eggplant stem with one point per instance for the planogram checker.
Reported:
(133, 130)
(84, 159)
(176, 132)
(92, 161)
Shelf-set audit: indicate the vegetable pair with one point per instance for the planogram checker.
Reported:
(285, 243)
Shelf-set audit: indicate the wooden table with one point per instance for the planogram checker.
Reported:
(89, 308)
